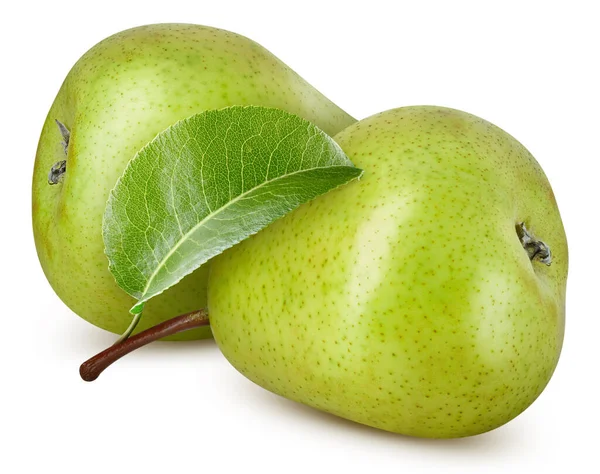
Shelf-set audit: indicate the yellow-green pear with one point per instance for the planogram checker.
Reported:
(117, 97)
(427, 298)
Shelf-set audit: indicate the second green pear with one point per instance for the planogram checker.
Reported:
(427, 298)
(118, 96)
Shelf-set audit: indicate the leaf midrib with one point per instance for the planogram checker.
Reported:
(210, 215)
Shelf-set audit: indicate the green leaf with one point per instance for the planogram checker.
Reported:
(208, 182)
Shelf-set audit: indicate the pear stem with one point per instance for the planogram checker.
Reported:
(92, 368)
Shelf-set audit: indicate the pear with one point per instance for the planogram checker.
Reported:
(426, 299)
(117, 97)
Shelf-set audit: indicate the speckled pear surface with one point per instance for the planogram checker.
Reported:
(117, 97)
(405, 301)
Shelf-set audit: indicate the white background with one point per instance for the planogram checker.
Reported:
(529, 67)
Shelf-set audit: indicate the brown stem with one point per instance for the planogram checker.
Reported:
(92, 368)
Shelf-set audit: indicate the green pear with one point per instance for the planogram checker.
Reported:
(427, 299)
(117, 97)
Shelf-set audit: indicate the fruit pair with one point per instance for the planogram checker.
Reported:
(426, 298)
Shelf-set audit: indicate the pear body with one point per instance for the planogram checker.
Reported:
(405, 300)
(117, 97)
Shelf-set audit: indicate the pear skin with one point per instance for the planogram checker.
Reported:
(408, 300)
(119, 96)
